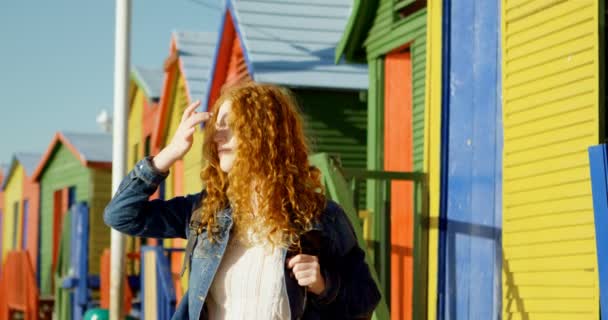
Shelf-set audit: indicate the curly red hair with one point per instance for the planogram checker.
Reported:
(271, 163)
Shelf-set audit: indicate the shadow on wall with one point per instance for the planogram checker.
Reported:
(458, 231)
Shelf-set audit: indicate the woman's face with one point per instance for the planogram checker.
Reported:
(225, 138)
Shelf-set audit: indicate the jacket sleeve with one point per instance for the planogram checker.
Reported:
(351, 291)
(132, 213)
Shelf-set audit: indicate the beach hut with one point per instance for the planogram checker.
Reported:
(292, 44)
(553, 110)
(21, 194)
(391, 36)
(76, 167)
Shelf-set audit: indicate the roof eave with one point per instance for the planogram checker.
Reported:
(356, 29)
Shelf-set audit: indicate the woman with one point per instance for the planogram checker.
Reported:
(263, 241)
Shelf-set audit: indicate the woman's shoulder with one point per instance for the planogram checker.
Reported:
(338, 227)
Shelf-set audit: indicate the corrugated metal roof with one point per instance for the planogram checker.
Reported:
(195, 51)
(29, 161)
(93, 147)
(150, 80)
(293, 42)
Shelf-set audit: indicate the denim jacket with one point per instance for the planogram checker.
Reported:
(350, 292)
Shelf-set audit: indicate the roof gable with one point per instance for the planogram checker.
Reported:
(292, 43)
(195, 54)
(356, 30)
(91, 149)
(27, 160)
(150, 80)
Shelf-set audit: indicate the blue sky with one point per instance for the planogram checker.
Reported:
(57, 61)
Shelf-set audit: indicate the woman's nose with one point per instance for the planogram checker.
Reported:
(219, 136)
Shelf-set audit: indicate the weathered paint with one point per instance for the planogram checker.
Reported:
(398, 156)
(432, 146)
(61, 170)
(551, 115)
(470, 246)
(13, 195)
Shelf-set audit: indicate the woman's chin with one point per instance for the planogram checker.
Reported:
(226, 163)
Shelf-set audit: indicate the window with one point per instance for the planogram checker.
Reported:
(404, 8)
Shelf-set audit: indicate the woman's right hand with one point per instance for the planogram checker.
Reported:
(181, 142)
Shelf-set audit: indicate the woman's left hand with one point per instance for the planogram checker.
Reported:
(307, 271)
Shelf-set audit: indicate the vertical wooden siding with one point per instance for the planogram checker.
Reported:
(469, 254)
(550, 101)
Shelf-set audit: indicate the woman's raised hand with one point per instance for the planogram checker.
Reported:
(181, 142)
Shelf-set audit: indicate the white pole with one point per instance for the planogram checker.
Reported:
(121, 82)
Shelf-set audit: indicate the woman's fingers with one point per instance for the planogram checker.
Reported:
(307, 272)
(301, 258)
(197, 118)
(190, 132)
(305, 266)
(190, 109)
